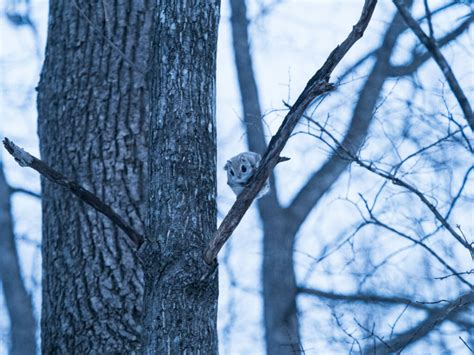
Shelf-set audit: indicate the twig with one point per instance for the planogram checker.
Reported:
(316, 86)
(435, 318)
(360, 297)
(467, 346)
(420, 58)
(377, 222)
(25, 159)
(432, 47)
(347, 154)
(428, 19)
(459, 273)
(14, 190)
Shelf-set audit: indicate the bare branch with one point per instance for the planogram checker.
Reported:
(432, 47)
(400, 342)
(374, 298)
(360, 297)
(25, 159)
(377, 222)
(316, 86)
(322, 180)
(419, 59)
(428, 18)
(347, 154)
(467, 346)
(14, 190)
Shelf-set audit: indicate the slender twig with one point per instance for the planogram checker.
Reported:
(316, 86)
(25, 159)
(443, 64)
(360, 297)
(428, 19)
(347, 154)
(420, 330)
(14, 190)
(420, 58)
(459, 273)
(467, 346)
(379, 223)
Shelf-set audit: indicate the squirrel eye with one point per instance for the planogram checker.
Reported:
(243, 168)
(232, 172)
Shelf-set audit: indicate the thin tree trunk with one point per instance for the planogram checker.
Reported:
(17, 299)
(92, 125)
(180, 302)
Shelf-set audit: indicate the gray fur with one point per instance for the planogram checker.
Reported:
(240, 169)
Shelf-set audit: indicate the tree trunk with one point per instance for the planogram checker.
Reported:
(180, 302)
(17, 300)
(279, 289)
(92, 125)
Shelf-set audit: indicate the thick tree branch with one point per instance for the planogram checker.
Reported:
(420, 58)
(435, 318)
(316, 86)
(25, 159)
(433, 48)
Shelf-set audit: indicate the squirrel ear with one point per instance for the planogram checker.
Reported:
(226, 166)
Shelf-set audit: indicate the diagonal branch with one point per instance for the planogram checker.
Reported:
(420, 58)
(412, 335)
(26, 159)
(316, 86)
(433, 48)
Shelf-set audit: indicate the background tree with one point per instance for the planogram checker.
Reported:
(280, 288)
(17, 299)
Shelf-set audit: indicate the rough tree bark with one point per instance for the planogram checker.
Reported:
(93, 124)
(282, 224)
(17, 299)
(180, 302)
